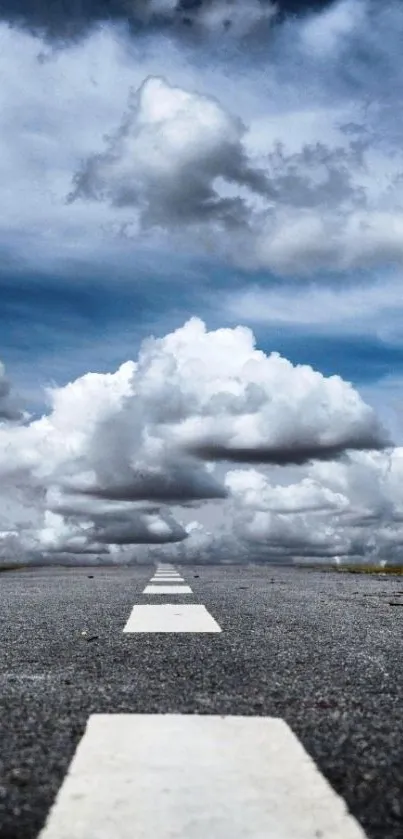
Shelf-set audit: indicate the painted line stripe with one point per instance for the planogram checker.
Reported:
(167, 617)
(190, 777)
(166, 571)
(170, 589)
(167, 579)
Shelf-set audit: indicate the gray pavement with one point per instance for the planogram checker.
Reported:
(322, 651)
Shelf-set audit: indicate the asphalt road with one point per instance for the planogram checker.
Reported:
(322, 651)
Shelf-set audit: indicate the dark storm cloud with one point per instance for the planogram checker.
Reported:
(178, 488)
(317, 175)
(133, 533)
(294, 455)
(72, 18)
(68, 550)
(8, 410)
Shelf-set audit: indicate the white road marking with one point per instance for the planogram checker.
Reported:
(190, 777)
(169, 589)
(166, 617)
(164, 570)
(167, 582)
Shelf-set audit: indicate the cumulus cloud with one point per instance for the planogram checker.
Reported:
(269, 159)
(165, 158)
(185, 164)
(77, 534)
(97, 472)
(341, 511)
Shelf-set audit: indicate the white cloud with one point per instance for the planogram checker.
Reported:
(114, 449)
(306, 496)
(352, 509)
(182, 162)
(166, 157)
(355, 308)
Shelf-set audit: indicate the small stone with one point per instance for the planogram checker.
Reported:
(19, 777)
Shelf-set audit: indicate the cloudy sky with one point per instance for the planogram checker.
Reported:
(200, 284)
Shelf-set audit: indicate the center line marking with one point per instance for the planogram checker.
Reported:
(167, 580)
(166, 617)
(169, 589)
(146, 776)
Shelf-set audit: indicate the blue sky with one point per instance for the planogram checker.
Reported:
(54, 330)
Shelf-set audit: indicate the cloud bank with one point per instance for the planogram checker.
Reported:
(188, 165)
(112, 464)
(285, 159)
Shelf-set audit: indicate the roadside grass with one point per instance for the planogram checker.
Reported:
(391, 570)
(370, 569)
(12, 566)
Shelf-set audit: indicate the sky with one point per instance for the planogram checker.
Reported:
(200, 283)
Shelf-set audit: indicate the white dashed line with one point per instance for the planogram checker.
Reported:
(191, 777)
(168, 580)
(168, 589)
(166, 617)
(162, 575)
(166, 571)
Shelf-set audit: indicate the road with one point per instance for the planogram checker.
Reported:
(321, 651)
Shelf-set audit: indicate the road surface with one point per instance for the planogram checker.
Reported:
(309, 663)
